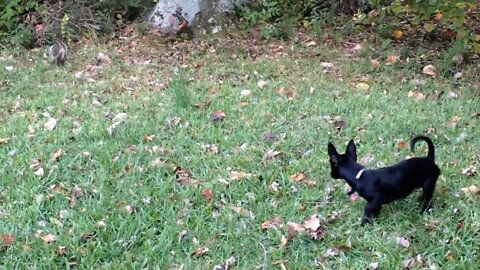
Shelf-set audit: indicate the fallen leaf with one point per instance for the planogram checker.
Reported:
(129, 209)
(7, 239)
(148, 138)
(271, 223)
(298, 177)
(261, 84)
(75, 193)
(402, 241)
(218, 115)
(283, 241)
(312, 223)
(237, 175)
(375, 63)
(244, 212)
(294, 229)
(373, 265)
(366, 159)
(469, 171)
(271, 154)
(61, 250)
(401, 144)
(4, 140)
(339, 124)
(326, 64)
(431, 225)
(429, 70)
(330, 252)
(269, 136)
(100, 224)
(226, 265)
(86, 236)
(200, 251)
(417, 95)
(57, 154)
(207, 194)
(47, 238)
(40, 172)
(245, 93)
(311, 43)
(392, 59)
(397, 34)
(408, 263)
(362, 86)
(104, 58)
(50, 124)
(473, 189)
(452, 122)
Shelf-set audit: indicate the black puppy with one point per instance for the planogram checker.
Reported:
(384, 185)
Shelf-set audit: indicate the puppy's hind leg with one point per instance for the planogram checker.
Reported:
(372, 210)
(427, 194)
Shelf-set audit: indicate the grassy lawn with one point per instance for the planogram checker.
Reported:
(167, 150)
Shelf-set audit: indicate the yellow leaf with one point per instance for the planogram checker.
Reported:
(397, 34)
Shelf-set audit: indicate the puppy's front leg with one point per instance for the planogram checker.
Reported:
(372, 209)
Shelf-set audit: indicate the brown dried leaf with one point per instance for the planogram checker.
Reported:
(298, 177)
(148, 138)
(469, 171)
(50, 124)
(392, 59)
(330, 252)
(75, 193)
(452, 122)
(312, 223)
(431, 225)
(86, 236)
(283, 241)
(473, 189)
(237, 175)
(218, 115)
(362, 86)
(429, 70)
(416, 95)
(7, 239)
(339, 124)
(271, 154)
(200, 251)
(271, 223)
(373, 265)
(401, 144)
(61, 250)
(402, 241)
(47, 238)
(269, 136)
(366, 159)
(294, 229)
(226, 265)
(57, 154)
(4, 140)
(207, 194)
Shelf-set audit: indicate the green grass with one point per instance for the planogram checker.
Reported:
(126, 168)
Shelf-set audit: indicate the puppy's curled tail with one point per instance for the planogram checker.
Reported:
(431, 149)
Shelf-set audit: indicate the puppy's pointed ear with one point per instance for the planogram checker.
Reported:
(332, 151)
(351, 150)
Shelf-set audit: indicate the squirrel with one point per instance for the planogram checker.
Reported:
(58, 53)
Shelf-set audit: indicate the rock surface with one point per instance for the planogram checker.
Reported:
(201, 16)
